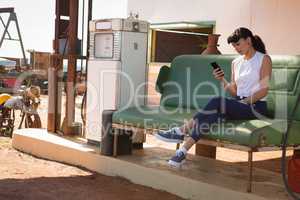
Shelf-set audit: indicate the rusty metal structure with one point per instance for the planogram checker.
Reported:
(65, 46)
(11, 18)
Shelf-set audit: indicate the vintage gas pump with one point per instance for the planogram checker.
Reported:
(117, 69)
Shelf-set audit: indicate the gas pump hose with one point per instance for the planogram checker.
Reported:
(82, 108)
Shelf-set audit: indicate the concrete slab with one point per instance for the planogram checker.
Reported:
(200, 178)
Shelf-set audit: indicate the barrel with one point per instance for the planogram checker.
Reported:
(294, 174)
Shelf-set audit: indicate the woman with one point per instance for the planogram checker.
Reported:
(250, 75)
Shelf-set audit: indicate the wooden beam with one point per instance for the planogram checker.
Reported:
(56, 63)
(71, 74)
(7, 10)
(153, 46)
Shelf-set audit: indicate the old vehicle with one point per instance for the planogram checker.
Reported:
(27, 101)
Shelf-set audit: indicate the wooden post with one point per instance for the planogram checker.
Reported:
(206, 151)
(71, 75)
(56, 63)
(56, 66)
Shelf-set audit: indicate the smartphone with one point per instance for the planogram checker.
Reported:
(215, 65)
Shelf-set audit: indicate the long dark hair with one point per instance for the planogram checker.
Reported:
(244, 33)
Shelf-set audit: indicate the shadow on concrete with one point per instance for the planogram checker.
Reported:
(273, 165)
(91, 187)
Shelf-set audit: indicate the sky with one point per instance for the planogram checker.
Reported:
(36, 21)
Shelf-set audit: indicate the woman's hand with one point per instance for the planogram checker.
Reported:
(218, 74)
(244, 101)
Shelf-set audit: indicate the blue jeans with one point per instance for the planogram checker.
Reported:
(220, 109)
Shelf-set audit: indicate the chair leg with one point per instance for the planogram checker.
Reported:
(115, 145)
(250, 166)
(177, 146)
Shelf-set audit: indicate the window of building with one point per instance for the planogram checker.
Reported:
(169, 40)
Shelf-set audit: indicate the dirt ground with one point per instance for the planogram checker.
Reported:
(25, 177)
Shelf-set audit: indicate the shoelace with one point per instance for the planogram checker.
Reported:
(173, 131)
(179, 153)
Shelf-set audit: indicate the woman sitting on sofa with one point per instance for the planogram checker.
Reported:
(250, 75)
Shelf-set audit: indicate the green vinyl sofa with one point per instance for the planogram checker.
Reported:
(188, 84)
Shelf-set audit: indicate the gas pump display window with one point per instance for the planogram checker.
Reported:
(104, 45)
(103, 26)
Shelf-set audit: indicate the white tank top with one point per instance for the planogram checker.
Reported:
(247, 74)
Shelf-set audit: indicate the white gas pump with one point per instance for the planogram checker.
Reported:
(117, 69)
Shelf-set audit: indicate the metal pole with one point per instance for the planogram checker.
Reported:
(2, 22)
(14, 16)
(250, 170)
(5, 30)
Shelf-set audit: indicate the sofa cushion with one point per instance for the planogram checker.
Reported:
(284, 87)
(253, 133)
(256, 133)
(156, 117)
(191, 83)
